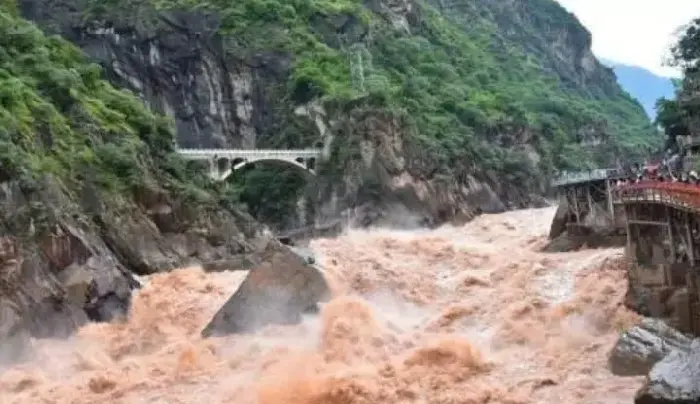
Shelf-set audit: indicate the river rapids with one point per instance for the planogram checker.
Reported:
(456, 315)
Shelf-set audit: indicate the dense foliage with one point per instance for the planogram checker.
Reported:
(59, 118)
(470, 79)
(681, 115)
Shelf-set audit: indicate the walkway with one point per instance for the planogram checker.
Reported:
(222, 162)
(675, 194)
(600, 174)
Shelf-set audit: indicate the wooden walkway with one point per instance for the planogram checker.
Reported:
(677, 195)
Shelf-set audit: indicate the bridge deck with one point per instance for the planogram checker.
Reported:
(205, 154)
(678, 195)
(601, 174)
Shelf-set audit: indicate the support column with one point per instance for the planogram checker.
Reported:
(213, 169)
(669, 232)
(589, 199)
(628, 214)
(608, 192)
(576, 207)
(668, 280)
(690, 245)
(301, 211)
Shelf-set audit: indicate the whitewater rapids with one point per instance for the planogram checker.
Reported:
(457, 315)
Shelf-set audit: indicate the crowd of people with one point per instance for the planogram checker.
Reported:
(663, 172)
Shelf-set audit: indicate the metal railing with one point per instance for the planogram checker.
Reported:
(206, 154)
(597, 174)
(675, 194)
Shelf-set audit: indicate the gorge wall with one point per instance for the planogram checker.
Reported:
(91, 194)
(443, 109)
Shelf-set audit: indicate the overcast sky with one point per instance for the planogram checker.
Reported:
(636, 32)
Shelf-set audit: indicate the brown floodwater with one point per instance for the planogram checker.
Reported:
(457, 315)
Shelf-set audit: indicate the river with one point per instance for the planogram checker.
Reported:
(456, 315)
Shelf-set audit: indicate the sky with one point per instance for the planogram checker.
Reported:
(634, 32)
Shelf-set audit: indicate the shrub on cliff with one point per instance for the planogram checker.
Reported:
(59, 117)
(471, 80)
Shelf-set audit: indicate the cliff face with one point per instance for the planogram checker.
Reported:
(444, 109)
(91, 193)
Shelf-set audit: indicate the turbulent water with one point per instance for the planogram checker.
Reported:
(474, 314)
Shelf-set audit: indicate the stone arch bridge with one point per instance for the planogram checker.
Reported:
(222, 162)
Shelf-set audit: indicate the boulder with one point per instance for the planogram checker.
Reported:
(278, 291)
(674, 380)
(641, 347)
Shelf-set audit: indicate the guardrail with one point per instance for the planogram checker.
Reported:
(678, 195)
(598, 174)
(247, 153)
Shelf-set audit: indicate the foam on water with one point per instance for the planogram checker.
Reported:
(472, 314)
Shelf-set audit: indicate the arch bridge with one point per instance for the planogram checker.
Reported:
(222, 162)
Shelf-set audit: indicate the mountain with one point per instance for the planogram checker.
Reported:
(91, 193)
(642, 84)
(441, 107)
(427, 112)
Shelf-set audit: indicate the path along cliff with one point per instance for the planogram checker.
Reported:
(470, 314)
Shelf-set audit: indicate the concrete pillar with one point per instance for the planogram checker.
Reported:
(576, 207)
(589, 200)
(689, 241)
(609, 194)
(301, 210)
(213, 169)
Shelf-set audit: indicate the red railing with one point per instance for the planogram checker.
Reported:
(676, 194)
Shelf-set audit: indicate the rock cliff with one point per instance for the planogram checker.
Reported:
(91, 193)
(443, 109)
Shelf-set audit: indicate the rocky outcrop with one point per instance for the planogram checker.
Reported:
(278, 291)
(63, 263)
(396, 183)
(223, 91)
(177, 63)
(674, 380)
(642, 346)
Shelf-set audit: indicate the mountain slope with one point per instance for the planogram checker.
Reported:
(442, 107)
(91, 192)
(643, 85)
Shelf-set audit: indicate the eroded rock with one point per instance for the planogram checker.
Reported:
(278, 291)
(674, 380)
(642, 346)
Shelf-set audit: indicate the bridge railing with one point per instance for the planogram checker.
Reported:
(248, 153)
(677, 194)
(598, 174)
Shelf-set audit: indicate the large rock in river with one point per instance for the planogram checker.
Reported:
(674, 380)
(642, 346)
(278, 291)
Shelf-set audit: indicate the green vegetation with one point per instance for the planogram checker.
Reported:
(681, 116)
(464, 88)
(465, 91)
(59, 118)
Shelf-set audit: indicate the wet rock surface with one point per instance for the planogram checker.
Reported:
(66, 261)
(674, 380)
(642, 346)
(278, 291)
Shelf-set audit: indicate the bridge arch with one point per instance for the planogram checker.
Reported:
(305, 164)
(223, 162)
